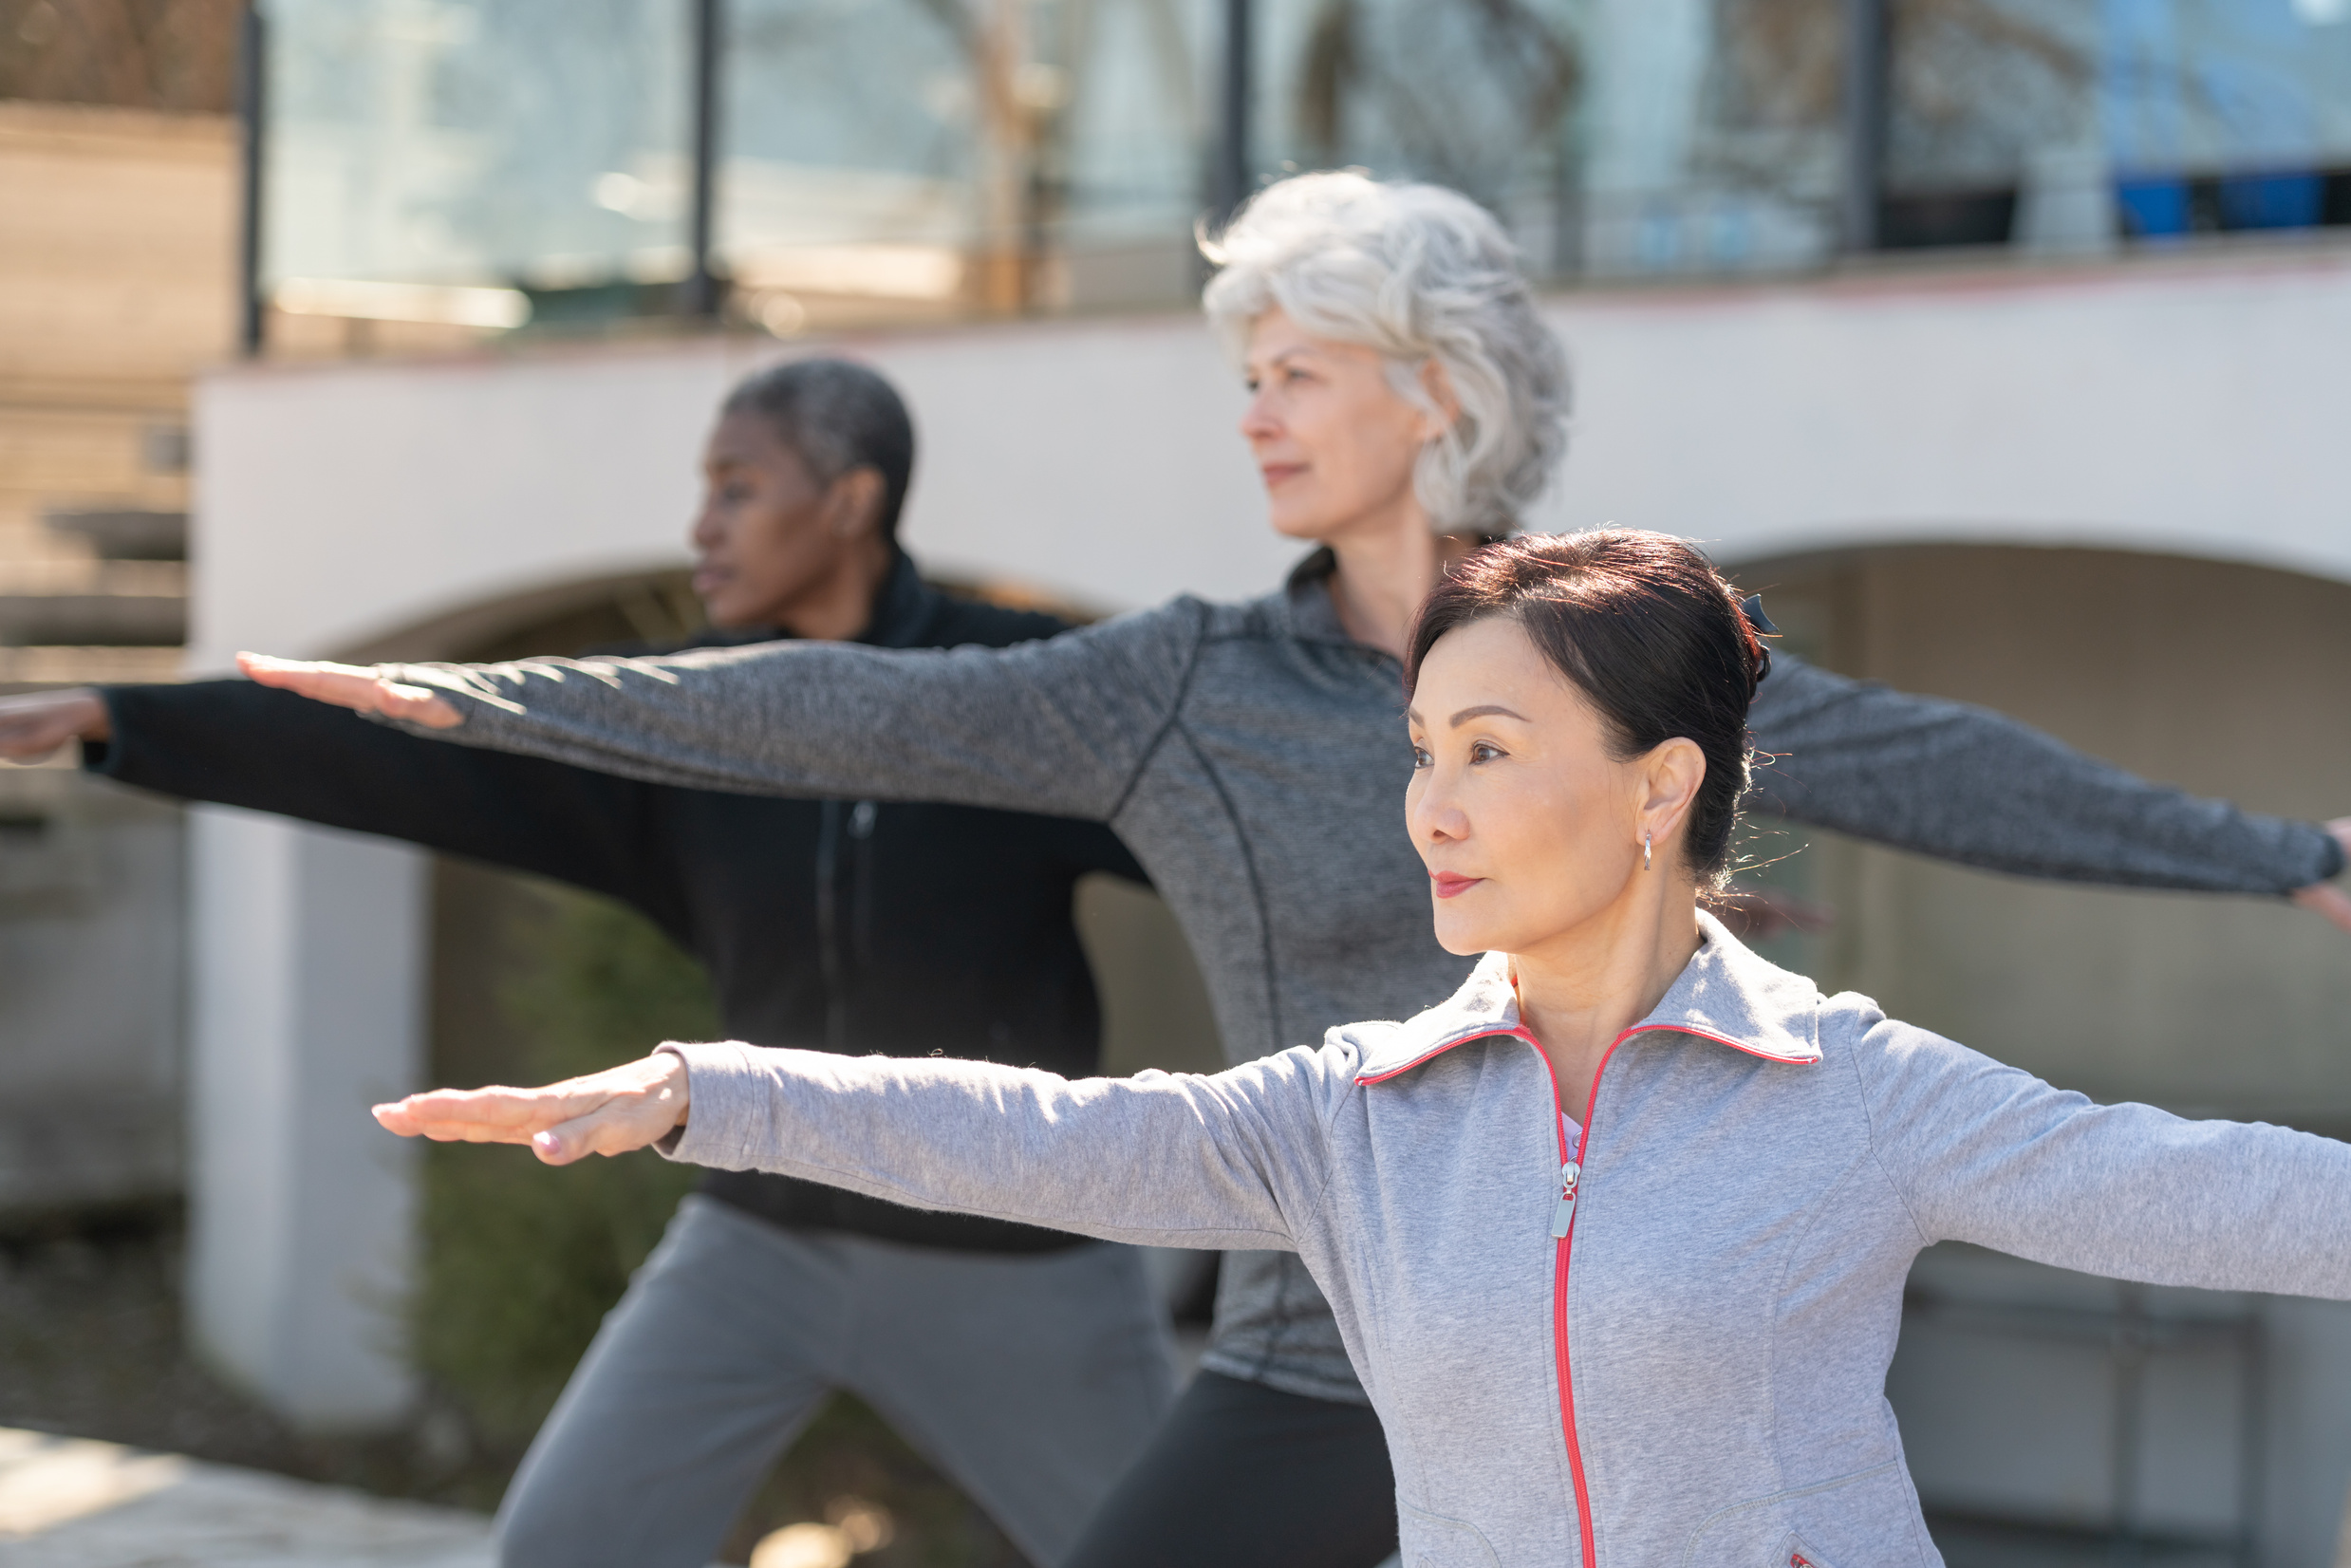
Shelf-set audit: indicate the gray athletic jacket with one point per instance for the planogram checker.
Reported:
(1682, 1363)
(1253, 758)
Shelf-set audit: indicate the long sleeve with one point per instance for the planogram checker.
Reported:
(234, 743)
(1239, 1160)
(1060, 726)
(1967, 784)
(1986, 1153)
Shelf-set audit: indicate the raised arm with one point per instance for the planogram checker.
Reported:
(234, 743)
(1232, 1161)
(1987, 1153)
(1059, 726)
(1967, 784)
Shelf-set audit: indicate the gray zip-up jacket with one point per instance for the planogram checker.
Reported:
(1253, 758)
(1666, 1348)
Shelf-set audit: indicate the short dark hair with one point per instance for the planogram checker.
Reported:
(839, 416)
(1644, 626)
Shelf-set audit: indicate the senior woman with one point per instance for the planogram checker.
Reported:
(1596, 1326)
(1407, 398)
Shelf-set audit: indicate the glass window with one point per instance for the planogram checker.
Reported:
(2071, 124)
(896, 158)
(1613, 135)
(1480, 95)
(475, 163)
(473, 160)
(2227, 113)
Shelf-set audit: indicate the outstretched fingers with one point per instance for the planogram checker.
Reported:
(608, 1112)
(353, 686)
(498, 1115)
(2327, 901)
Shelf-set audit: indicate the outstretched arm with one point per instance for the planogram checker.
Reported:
(1967, 784)
(235, 743)
(1986, 1153)
(1236, 1160)
(1060, 726)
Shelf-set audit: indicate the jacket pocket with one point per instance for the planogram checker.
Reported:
(1432, 1540)
(1793, 1553)
(1868, 1518)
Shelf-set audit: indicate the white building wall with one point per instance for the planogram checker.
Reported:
(2187, 405)
(307, 959)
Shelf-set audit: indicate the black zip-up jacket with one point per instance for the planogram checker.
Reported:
(839, 926)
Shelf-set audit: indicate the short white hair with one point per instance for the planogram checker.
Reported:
(1417, 272)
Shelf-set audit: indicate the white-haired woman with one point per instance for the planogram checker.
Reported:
(1407, 399)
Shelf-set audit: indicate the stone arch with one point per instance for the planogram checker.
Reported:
(2215, 675)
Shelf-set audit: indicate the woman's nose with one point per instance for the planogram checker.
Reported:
(1433, 815)
(1258, 421)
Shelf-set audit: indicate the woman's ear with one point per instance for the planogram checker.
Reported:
(853, 505)
(1671, 776)
(1439, 386)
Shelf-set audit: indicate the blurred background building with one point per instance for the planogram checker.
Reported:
(1999, 342)
(118, 181)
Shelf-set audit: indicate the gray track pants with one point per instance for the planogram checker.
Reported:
(1031, 1380)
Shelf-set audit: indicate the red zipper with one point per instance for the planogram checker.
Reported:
(1569, 1194)
(1569, 1191)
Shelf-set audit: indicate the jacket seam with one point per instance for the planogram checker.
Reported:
(858, 1182)
(1698, 1533)
(1257, 889)
(1166, 727)
(1877, 1156)
(1329, 1164)
(1780, 1295)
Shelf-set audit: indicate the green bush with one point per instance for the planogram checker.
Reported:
(520, 1260)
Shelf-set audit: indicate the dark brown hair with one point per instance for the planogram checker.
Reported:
(1644, 627)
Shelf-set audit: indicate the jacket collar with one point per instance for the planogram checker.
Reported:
(1725, 994)
(1306, 598)
(904, 608)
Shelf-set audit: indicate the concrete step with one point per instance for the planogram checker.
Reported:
(123, 533)
(70, 1503)
(97, 620)
(24, 669)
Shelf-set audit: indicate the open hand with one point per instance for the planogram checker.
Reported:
(35, 725)
(353, 686)
(2325, 898)
(608, 1112)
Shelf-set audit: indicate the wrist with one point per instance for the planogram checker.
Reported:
(674, 1082)
(95, 721)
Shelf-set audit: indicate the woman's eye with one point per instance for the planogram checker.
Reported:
(1485, 751)
(1421, 757)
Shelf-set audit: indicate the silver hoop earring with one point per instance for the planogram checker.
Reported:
(1644, 852)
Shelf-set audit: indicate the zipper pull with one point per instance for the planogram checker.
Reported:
(1565, 1214)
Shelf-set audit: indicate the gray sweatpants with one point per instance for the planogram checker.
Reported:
(1031, 1380)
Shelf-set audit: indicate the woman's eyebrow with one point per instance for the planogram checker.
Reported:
(1481, 711)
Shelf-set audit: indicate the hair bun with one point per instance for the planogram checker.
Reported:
(1759, 627)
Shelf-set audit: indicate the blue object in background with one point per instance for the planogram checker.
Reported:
(2272, 202)
(2153, 209)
